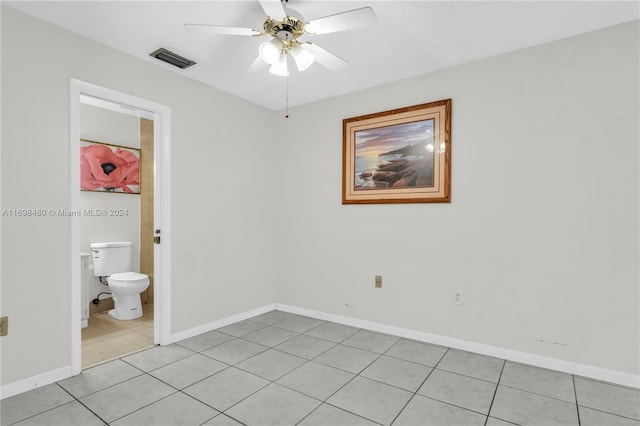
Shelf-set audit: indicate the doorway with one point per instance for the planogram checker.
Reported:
(154, 119)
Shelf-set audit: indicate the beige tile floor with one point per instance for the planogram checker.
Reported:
(107, 338)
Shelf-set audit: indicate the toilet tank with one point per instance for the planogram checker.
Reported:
(111, 258)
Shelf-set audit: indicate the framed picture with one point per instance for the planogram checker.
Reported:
(109, 168)
(398, 156)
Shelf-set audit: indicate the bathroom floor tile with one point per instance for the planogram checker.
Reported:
(226, 388)
(28, 404)
(234, 351)
(538, 380)
(346, 358)
(332, 331)
(473, 365)
(107, 338)
(609, 398)
(157, 357)
(329, 415)
(99, 377)
(428, 412)
(113, 347)
(125, 398)
(270, 336)
(271, 364)
(188, 371)
(397, 372)
(305, 346)
(463, 391)
(176, 409)
(70, 414)
(274, 405)
(371, 341)
(522, 407)
(370, 399)
(316, 380)
(422, 353)
(204, 341)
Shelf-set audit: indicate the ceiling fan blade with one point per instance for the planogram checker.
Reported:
(325, 58)
(274, 9)
(258, 65)
(220, 29)
(357, 18)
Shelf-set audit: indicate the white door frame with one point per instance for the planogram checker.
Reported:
(161, 115)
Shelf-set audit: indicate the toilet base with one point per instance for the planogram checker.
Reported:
(126, 308)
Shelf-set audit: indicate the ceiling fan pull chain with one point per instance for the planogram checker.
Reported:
(287, 98)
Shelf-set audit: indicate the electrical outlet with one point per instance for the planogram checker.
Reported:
(457, 297)
(378, 281)
(4, 326)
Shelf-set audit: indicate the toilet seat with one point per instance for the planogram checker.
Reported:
(128, 277)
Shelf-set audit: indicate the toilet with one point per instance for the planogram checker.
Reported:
(113, 261)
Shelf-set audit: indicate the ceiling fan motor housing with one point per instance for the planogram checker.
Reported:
(290, 28)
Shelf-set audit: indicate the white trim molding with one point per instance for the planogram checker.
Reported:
(204, 328)
(591, 372)
(34, 382)
(583, 370)
(84, 92)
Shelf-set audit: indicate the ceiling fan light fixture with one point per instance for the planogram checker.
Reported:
(280, 68)
(303, 58)
(270, 51)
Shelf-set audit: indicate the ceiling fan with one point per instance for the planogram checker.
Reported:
(285, 27)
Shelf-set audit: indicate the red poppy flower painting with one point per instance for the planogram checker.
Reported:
(109, 168)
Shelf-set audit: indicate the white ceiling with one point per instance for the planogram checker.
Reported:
(410, 38)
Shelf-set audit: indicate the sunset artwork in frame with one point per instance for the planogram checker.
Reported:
(398, 156)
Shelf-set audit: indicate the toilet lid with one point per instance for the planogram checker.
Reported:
(129, 277)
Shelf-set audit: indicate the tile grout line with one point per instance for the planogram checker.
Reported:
(306, 361)
(504, 363)
(142, 372)
(575, 394)
(310, 360)
(248, 372)
(421, 384)
(270, 382)
(149, 404)
(81, 403)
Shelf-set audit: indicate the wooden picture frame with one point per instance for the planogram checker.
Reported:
(109, 168)
(398, 156)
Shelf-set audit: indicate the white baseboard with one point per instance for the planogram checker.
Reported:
(176, 337)
(583, 370)
(588, 371)
(34, 382)
(49, 377)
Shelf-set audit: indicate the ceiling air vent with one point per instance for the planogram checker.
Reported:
(172, 58)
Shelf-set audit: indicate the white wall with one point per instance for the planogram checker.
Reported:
(541, 235)
(102, 125)
(222, 211)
